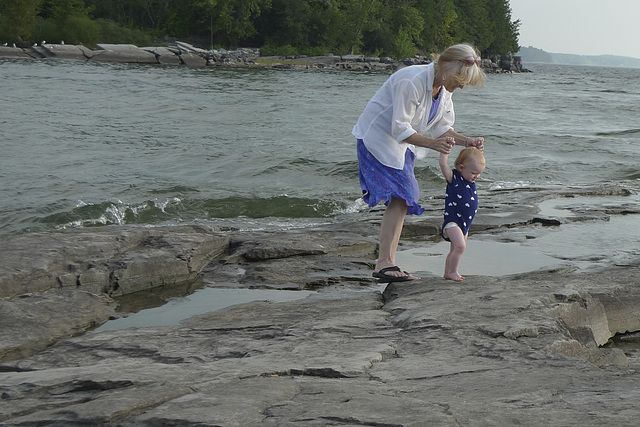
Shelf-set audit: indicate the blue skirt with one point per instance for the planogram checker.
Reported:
(381, 183)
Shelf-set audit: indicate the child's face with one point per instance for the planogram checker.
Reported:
(471, 170)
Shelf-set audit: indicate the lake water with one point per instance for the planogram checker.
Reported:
(91, 143)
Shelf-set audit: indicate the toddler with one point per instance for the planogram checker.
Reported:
(461, 204)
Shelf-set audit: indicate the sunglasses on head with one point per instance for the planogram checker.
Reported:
(470, 60)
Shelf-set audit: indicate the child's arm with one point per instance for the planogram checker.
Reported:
(445, 168)
(444, 163)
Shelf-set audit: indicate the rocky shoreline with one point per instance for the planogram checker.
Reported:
(188, 55)
(524, 349)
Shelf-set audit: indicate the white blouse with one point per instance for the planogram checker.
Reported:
(399, 109)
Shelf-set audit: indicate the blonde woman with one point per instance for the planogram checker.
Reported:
(410, 114)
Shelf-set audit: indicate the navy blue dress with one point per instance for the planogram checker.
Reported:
(460, 203)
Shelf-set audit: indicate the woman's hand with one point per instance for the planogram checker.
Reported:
(443, 144)
(475, 142)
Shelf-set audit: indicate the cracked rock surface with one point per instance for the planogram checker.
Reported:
(527, 349)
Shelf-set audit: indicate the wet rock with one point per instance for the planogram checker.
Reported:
(526, 349)
(123, 53)
(34, 321)
(165, 56)
(260, 247)
(12, 52)
(192, 60)
(67, 270)
(425, 350)
(63, 51)
(112, 260)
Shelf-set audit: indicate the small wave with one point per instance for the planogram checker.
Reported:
(113, 213)
(303, 161)
(173, 201)
(344, 169)
(279, 206)
(176, 210)
(613, 91)
(499, 186)
(358, 205)
(619, 132)
(632, 176)
(175, 189)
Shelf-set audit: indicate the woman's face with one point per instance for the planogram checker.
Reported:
(451, 84)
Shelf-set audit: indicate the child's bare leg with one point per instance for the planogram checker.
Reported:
(458, 246)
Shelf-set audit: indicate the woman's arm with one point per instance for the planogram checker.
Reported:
(465, 141)
(440, 145)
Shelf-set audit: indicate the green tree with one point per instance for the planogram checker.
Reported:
(473, 24)
(439, 17)
(381, 27)
(360, 13)
(120, 11)
(286, 23)
(18, 19)
(234, 19)
(309, 27)
(505, 31)
(112, 32)
(62, 9)
(192, 17)
(67, 20)
(209, 7)
(396, 30)
(407, 25)
(327, 30)
(139, 14)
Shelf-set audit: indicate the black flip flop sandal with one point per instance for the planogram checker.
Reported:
(386, 278)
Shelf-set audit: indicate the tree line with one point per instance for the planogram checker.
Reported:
(395, 28)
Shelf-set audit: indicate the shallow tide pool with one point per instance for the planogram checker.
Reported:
(604, 241)
(202, 301)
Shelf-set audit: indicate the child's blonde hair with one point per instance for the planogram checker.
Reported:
(470, 154)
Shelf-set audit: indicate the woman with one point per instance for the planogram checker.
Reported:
(413, 101)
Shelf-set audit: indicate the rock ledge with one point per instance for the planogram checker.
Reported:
(516, 350)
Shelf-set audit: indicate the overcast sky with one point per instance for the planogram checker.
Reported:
(583, 27)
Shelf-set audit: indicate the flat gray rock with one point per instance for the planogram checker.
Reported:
(64, 51)
(524, 349)
(164, 55)
(123, 53)
(12, 52)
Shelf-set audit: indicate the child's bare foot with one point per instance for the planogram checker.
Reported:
(455, 277)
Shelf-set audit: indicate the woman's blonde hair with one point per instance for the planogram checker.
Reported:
(451, 62)
(470, 153)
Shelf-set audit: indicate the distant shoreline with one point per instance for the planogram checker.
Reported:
(186, 54)
(532, 55)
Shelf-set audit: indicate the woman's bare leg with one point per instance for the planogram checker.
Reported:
(390, 230)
